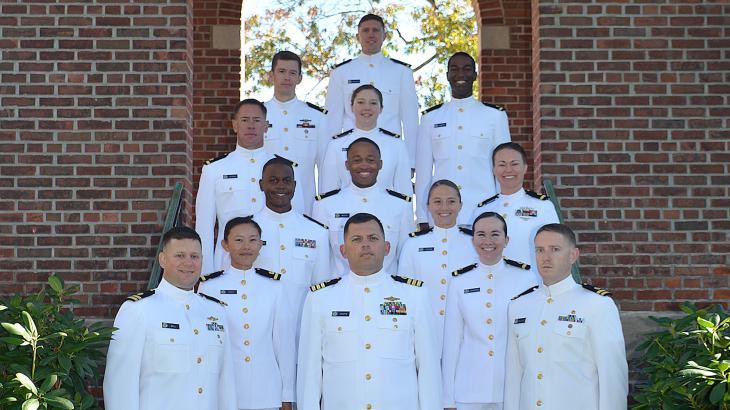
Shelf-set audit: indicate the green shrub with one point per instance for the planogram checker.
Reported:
(47, 356)
(687, 362)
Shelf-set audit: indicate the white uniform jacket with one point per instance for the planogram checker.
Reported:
(475, 330)
(395, 174)
(170, 352)
(565, 351)
(432, 255)
(297, 132)
(367, 343)
(456, 140)
(229, 187)
(393, 78)
(261, 334)
(392, 209)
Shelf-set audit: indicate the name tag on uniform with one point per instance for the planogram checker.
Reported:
(232, 176)
(526, 212)
(305, 243)
(166, 325)
(344, 149)
(520, 320)
(425, 249)
(439, 125)
(353, 81)
(342, 215)
(472, 290)
(340, 313)
(228, 291)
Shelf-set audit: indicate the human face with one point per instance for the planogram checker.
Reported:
(285, 77)
(370, 35)
(363, 163)
(509, 169)
(243, 244)
(444, 206)
(461, 76)
(277, 184)
(555, 255)
(365, 248)
(366, 108)
(489, 240)
(250, 124)
(182, 261)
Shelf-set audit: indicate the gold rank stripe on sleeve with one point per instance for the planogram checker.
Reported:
(141, 295)
(407, 281)
(495, 106)
(317, 107)
(421, 232)
(488, 200)
(326, 194)
(269, 274)
(534, 194)
(602, 292)
(525, 292)
(324, 284)
(428, 110)
(464, 270)
(386, 132)
(212, 160)
(211, 276)
(517, 264)
(399, 195)
(342, 134)
(212, 299)
(400, 62)
(316, 221)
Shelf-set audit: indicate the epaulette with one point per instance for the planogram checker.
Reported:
(525, 292)
(421, 232)
(399, 195)
(317, 107)
(408, 281)
(466, 231)
(534, 194)
(316, 221)
(269, 274)
(212, 299)
(429, 109)
(342, 63)
(342, 134)
(386, 132)
(602, 292)
(212, 160)
(292, 163)
(326, 194)
(323, 285)
(211, 276)
(400, 62)
(495, 106)
(488, 200)
(464, 270)
(520, 265)
(141, 295)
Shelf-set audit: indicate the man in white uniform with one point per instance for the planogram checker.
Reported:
(392, 77)
(565, 346)
(296, 128)
(171, 350)
(367, 340)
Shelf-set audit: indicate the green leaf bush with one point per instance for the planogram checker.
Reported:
(47, 356)
(687, 362)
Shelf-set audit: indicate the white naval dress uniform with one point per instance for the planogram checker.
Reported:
(392, 209)
(456, 140)
(525, 212)
(393, 78)
(431, 255)
(170, 352)
(229, 187)
(395, 174)
(475, 332)
(367, 343)
(297, 132)
(565, 351)
(261, 334)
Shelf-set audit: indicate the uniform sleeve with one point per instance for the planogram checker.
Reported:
(124, 359)
(609, 354)
(284, 343)
(309, 369)
(502, 133)
(427, 356)
(323, 139)
(402, 178)
(205, 217)
(409, 114)
(227, 399)
(335, 103)
(406, 226)
(329, 174)
(513, 368)
(453, 335)
(322, 263)
(297, 201)
(405, 261)
(424, 171)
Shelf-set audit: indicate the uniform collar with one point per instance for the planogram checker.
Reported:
(370, 280)
(445, 232)
(235, 272)
(367, 134)
(560, 287)
(371, 58)
(277, 216)
(248, 152)
(284, 104)
(463, 102)
(168, 289)
(364, 191)
(492, 268)
(517, 194)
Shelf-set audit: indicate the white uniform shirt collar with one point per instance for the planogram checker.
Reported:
(364, 191)
(560, 287)
(370, 280)
(168, 289)
(237, 272)
(499, 266)
(445, 232)
(463, 102)
(367, 134)
(516, 195)
(284, 104)
(248, 153)
(371, 58)
(277, 216)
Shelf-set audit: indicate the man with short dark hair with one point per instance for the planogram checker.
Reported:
(367, 341)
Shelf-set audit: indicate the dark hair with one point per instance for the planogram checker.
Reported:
(510, 145)
(179, 232)
(443, 182)
(371, 16)
(363, 88)
(361, 218)
(240, 220)
(249, 101)
(561, 229)
(488, 214)
(463, 54)
(286, 56)
(365, 140)
(277, 160)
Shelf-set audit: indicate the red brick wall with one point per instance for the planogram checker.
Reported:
(631, 123)
(95, 108)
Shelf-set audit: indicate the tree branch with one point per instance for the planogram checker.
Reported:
(397, 30)
(425, 63)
